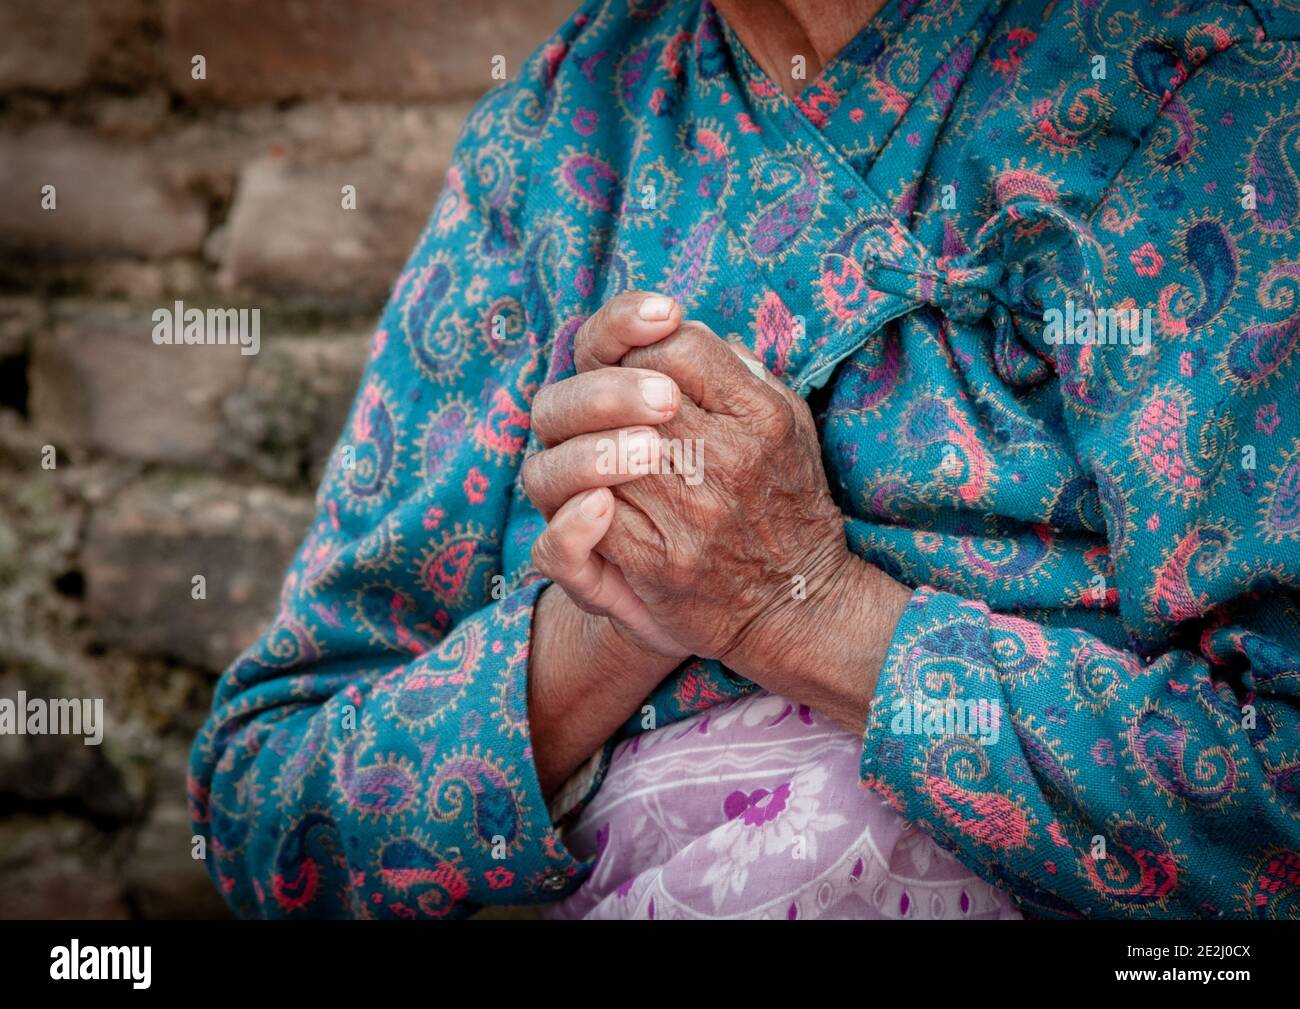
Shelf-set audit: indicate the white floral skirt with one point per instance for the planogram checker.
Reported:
(754, 809)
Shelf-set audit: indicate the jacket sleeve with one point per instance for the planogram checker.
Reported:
(370, 756)
(1156, 772)
(1088, 782)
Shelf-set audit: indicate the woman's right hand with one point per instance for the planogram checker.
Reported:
(596, 651)
(585, 423)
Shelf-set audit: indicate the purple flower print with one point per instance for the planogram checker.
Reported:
(585, 121)
(758, 807)
(1267, 419)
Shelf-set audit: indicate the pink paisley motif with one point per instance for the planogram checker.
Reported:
(1274, 886)
(504, 430)
(1160, 433)
(1143, 871)
(1203, 551)
(774, 333)
(987, 817)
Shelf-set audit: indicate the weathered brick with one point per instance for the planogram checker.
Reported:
(111, 198)
(389, 49)
(285, 419)
(144, 548)
(46, 46)
(20, 318)
(58, 867)
(288, 233)
(58, 46)
(98, 381)
(162, 876)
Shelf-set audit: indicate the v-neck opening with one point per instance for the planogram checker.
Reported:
(741, 51)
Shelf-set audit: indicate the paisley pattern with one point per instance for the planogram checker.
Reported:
(1104, 538)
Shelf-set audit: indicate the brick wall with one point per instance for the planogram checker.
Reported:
(177, 461)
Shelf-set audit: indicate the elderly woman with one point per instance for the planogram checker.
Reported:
(727, 524)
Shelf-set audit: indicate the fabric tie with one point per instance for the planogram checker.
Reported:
(964, 293)
(965, 287)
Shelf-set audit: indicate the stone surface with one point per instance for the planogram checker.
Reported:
(93, 353)
(58, 867)
(46, 46)
(393, 49)
(144, 548)
(163, 878)
(111, 198)
(176, 461)
(20, 319)
(285, 419)
(289, 234)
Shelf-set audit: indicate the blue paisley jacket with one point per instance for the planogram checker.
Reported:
(1104, 537)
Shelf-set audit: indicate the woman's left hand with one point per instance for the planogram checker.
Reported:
(733, 540)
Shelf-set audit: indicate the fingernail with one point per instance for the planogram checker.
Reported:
(655, 308)
(593, 504)
(657, 393)
(639, 449)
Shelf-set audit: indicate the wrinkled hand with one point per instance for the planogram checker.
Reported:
(736, 532)
(712, 532)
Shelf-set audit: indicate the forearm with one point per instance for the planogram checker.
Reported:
(584, 680)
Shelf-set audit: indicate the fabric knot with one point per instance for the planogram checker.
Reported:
(963, 293)
(1000, 267)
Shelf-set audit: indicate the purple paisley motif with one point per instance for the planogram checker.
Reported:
(443, 437)
(1282, 514)
(385, 788)
(1277, 203)
(693, 260)
(494, 806)
(776, 229)
(1160, 744)
(591, 181)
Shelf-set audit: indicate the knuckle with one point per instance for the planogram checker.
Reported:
(606, 396)
(541, 554)
(591, 606)
(543, 408)
(595, 332)
(666, 356)
(776, 418)
(678, 351)
(585, 339)
(546, 555)
(530, 476)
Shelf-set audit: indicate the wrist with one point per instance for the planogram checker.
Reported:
(615, 652)
(584, 681)
(827, 648)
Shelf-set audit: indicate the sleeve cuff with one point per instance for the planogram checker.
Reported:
(937, 683)
(582, 785)
(534, 866)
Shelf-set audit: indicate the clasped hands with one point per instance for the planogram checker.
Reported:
(686, 503)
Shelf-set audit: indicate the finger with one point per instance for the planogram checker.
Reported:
(600, 400)
(564, 553)
(704, 368)
(632, 319)
(597, 459)
(631, 538)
